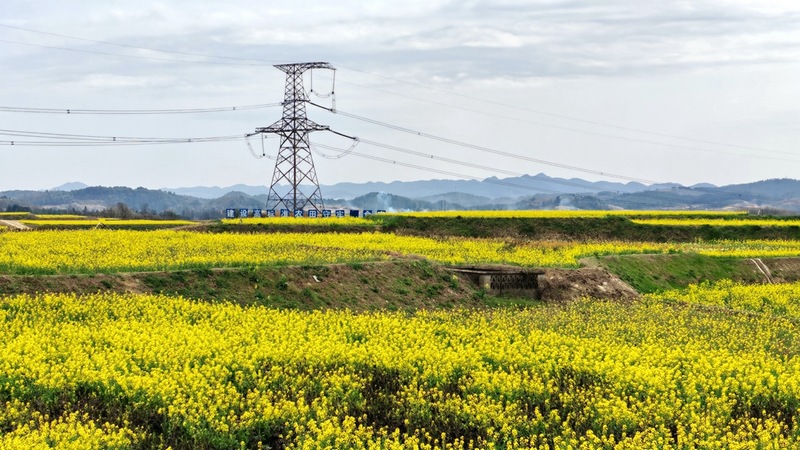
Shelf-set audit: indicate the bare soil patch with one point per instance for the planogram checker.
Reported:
(559, 285)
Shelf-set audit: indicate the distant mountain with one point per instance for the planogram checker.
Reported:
(766, 189)
(73, 186)
(98, 198)
(389, 202)
(460, 198)
(526, 192)
(492, 187)
(782, 194)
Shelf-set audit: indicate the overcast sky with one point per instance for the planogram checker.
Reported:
(659, 91)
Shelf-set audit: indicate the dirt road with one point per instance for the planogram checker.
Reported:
(14, 225)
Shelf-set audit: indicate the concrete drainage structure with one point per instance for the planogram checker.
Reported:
(503, 280)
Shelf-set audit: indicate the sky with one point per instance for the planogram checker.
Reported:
(700, 91)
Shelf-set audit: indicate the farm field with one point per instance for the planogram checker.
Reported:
(88, 251)
(52, 252)
(152, 371)
(707, 365)
(734, 221)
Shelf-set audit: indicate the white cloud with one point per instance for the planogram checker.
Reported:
(663, 65)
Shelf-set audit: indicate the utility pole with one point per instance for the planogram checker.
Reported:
(294, 165)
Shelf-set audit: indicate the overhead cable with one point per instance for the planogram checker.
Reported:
(486, 149)
(62, 139)
(587, 132)
(18, 109)
(411, 83)
(560, 116)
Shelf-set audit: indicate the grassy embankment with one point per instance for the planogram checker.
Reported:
(385, 282)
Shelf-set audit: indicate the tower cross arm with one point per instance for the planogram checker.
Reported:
(302, 67)
(298, 125)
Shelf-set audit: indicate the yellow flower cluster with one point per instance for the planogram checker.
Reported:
(71, 431)
(754, 248)
(88, 251)
(127, 371)
(61, 217)
(776, 299)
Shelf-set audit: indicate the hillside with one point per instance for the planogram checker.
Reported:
(769, 196)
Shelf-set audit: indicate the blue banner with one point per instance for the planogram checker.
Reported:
(230, 213)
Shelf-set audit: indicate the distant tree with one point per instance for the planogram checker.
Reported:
(17, 208)
(120, 211)
(169, 215)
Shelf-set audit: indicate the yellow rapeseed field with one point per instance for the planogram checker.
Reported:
(775, 299)
(61, 217)
(733, 221)
(140, 371)
(88, 251)
(754, 248)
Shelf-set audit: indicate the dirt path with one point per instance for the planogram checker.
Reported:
(14, 225)
(763, 269)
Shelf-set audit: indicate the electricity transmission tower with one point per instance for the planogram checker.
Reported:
(294, 165)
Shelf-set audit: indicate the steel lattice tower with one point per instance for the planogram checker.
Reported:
(294, 164)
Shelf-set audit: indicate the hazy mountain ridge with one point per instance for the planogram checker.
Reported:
(493, 193)
(491, 188)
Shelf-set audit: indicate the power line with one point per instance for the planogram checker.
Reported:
(486, 149)
(74, 140)
(411, 83)
(268, 105)
(424, 155)
(490, 150)
(470, 177)
(588, 132)
(18, 109)
(476, 166)
(639, 194)
(67, 140)
(560, 116)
